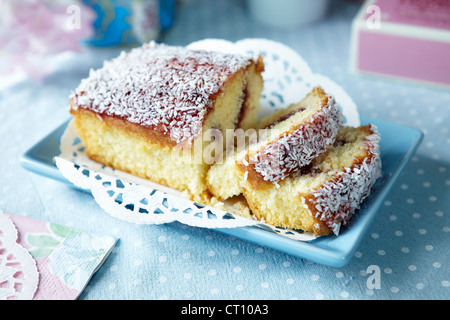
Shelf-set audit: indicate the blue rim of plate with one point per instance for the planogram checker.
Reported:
(397, 146)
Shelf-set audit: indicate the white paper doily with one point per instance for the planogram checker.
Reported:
(19, 276)
(287, 79)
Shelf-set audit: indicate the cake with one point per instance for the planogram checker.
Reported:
(287, 141)
(147, 111)
(323, 195)
(157, 110)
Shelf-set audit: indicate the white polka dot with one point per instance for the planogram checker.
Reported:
(259, 250)
(395, 289)
(446, 229)
(398, 233)
(420, 171)
(445, 283)
(185, 237)
(416, 215)
(392, 217)
(442, 169)
(422, 231)
(387, 203)
(112, 286)
(319, 296)
(412, 268)
(211, 253)
(162, 279)
(215, 291)
(290, 281)
(426, 184)
(262, 266)
(345, 294)
(114, 268)
(237, 270)
(432, 198)
(286, 264)
(239, 287)
(188, 275)
(381, 252)
(437, 265)
(358, 254)
(137, 262)
(235, 252)
(439, 213)
(315, 277)
(429, 247)
(186, 255)
(410, 200)
(339, 275)
(137, 282)
(420, 286)
(447, 182)
(404, 186)
(162, 259)
(264, 284)
(212, 272)
(375, 235)
(162, 238)
(405, 250)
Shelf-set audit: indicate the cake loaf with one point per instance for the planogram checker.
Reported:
(323, 195)
(132, 113)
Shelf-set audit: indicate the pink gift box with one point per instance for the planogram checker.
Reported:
(403, 39)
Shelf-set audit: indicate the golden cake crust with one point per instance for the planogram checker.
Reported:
(163, 88)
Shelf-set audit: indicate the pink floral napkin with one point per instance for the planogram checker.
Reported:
(45, 261)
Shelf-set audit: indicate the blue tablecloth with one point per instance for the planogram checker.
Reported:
(408, 240)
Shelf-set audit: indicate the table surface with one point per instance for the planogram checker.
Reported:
(408, 239)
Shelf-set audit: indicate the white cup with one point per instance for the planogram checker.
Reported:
(287, 13)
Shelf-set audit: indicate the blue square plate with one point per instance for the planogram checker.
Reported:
(398, 144)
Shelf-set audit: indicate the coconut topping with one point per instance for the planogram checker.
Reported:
(337, 199)
(167, 88)
(298, 148)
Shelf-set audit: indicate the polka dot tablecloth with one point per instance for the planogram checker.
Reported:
(404, 254)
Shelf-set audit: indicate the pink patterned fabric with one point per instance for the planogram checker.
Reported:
(66, 258)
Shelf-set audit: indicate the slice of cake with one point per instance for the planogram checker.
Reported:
(287, 141)
(324, 194)
(151, 112)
